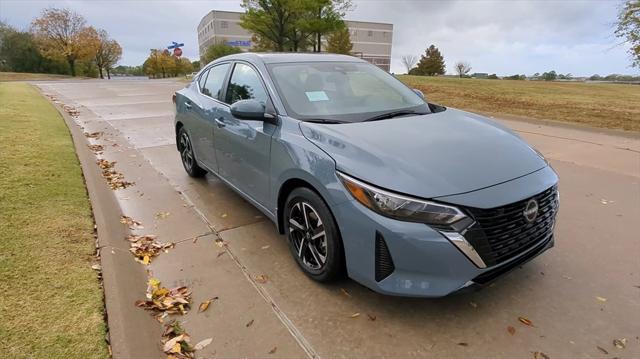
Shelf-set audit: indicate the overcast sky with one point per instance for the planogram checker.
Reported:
(503, 37)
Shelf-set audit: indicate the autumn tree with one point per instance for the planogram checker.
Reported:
(108, 53)
(628, 28)
(339, 42)
(409, 61)
(431, 63)
(218, 50)
(63, 34)
(462, 68)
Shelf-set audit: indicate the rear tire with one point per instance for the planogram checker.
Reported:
(188, 155)
(314, 239)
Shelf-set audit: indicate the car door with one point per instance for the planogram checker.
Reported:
(206, 110)
(243, 147)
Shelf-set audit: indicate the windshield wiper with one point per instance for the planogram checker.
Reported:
(387, 115)
(323, 120)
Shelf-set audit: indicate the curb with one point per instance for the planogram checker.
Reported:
(124, 320)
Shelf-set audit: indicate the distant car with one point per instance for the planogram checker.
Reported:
(364, 176)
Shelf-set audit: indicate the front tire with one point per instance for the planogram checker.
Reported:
(188, 155)
(314, 239)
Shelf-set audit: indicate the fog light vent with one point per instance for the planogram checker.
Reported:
(384, 263)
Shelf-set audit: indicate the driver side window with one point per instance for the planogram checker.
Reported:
(245, 84)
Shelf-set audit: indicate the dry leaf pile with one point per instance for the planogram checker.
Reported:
(71, 110)
(94, 135)
(145, 247)
(175, 342)
(115, 179)
(96, 148)
(164, 301)
(132, 223)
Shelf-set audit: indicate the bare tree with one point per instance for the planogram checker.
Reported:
(409, 61)
(462, 68)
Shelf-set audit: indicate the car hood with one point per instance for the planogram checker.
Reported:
(428, 156)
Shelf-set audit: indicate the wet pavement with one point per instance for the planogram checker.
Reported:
(581, 295)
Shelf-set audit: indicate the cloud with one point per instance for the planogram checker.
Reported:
(504, 37)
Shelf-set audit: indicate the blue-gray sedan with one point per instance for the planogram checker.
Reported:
(365, 177)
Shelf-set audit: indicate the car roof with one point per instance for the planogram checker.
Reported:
(282, 57)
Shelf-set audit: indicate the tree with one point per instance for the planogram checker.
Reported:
(108, 53)
(62, 34)
(595, 77)
(271, 20)
(292, 25)
(431, 63)
(218, 50)
(493, 77)
(339, 42)
(628, 28)
(409, 61)
(549, 76)
(19, 52)
(322, 17)
(462, 68)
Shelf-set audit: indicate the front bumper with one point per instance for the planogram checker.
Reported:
(423, 262)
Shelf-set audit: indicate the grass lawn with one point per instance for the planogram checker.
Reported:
(22, 76)
(50, 300)
(594, 104)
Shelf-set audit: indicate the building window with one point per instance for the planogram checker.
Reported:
(369, 33)
(224, 24)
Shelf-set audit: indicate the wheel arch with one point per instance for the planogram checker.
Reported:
(179, 125)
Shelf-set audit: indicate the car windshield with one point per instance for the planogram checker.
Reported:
(342, 92)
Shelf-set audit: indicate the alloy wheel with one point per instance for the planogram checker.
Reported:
(307, 234)
(186, 151)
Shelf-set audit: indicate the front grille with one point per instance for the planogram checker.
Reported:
(503, 233)
(384, 263)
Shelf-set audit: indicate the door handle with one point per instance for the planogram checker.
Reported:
(219, 121)
(187, 105)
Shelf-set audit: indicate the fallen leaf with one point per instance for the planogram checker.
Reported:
(262, 278)
(371, 317)
(162, 215)
(601, 299)
(355, 315)
(526, 321)
(203, 343)
(603, 350)
(473, 304)
(221, 253)
(272, 351)
(540, 355)
(344, 291)
(511, 330)
(96, 267)
(566, 277)
(249, 324)
(220, 243)
(132, 223)
(224, 215)
(205, 305)
(620, 343)
(266, 247)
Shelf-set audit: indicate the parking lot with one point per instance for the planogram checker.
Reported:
(579, 296)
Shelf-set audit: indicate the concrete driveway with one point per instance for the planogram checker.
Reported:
(580, 296)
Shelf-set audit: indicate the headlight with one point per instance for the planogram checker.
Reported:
(401, 207)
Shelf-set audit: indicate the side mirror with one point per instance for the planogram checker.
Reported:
(419, 93)
(248, 110)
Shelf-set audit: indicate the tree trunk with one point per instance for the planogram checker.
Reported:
(72, 66)
(108, 74)
(100, 69)
(319, 40)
